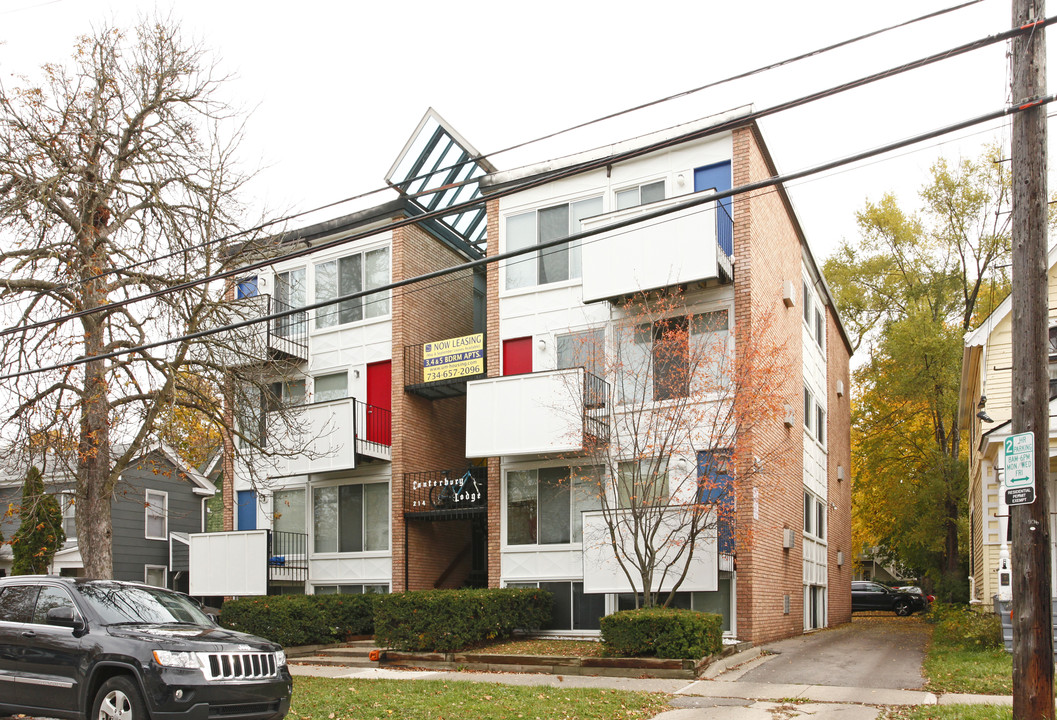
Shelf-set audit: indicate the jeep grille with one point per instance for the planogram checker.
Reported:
(240, 666)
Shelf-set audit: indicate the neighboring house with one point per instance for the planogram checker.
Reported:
(159, 501)
(985, 421)
(370, 509)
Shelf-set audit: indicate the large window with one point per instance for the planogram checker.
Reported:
(571, 608)
(674, 356)
(544, 506)
(640, 195)
(582, 349)
(814, 516)
(156, 515)
(348, 275)
(288, 511)
(642, 482)
(555, 264)
(290, 293)
(351, 518)
(334, 386)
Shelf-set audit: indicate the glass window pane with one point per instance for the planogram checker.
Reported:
(554, 261)
(807, 409)
(636, 370)
(587, 609)
(521, 233)
(325, 519)
(562, 610)
(627, 198)
(294, 392)
(155, 518)
(671, 350)
(350, 518)
(820, 519)
(710, 351)
(820, 424)
(807, 513)
(717, 602)
(376, 516)
(652, 192)
(16, 603)
(582, 349)
(577, 212)
(586, 495)
(326, 590)
(288, 511)
(326, 289)
(377, 276)
(51, 597)
(521, 508)
(350, 280)
(331, 387)
(553, 505)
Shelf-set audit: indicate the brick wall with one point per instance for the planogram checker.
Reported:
(767, 252)
(838, 430)
(427, 434)
(494, 370)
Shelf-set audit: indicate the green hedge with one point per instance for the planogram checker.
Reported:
(452, 620)
(663, 633)
(301, 619)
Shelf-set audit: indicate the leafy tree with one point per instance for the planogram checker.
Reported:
(40, 534)
(118, 178)
(910, 290)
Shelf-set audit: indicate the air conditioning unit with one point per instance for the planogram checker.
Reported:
(840, 473)
(788, 538)
(787, 294)
(840, 388)
(840, 558)
(790, 419)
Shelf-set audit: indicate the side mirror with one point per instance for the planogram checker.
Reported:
(215, 618)
(65, 617)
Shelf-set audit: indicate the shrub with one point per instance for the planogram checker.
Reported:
(963, 627)
(452, 620)
(662, 632)
(301, 619)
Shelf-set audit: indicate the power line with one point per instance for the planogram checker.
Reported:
(517, 146)
(568, 172)
(694, 201)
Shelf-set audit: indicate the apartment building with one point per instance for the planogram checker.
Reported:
(502, 385)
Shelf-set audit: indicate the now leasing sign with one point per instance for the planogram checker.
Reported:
(1020, 468)
(452, 359)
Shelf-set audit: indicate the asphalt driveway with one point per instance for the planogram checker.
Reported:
(869, 652)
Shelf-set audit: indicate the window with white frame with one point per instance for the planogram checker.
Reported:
(544, 505)
(156, 512)
(640, 195)
(807, 303)
(820, 424)
(573, 609)
(290, 292)
(352, 274)
(155, 575)
(584, 349)
(69, 515)
(350, 518)
(814, 516)
(550, 265)
(288, 511)
(809, 409)
(286, 393)
(642, 482)
(332, 386)
(820, 329)
(350, 589)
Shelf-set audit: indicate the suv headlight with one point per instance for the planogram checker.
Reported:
(280, 658)
(167, 658)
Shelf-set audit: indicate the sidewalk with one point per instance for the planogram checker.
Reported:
(704, 699)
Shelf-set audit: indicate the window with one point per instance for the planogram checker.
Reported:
(48, 599)
(807, 303)
(814, 516)
(352, 274)
(334, 386)
(1053, 341)
(288, 393)
(69, 515)
(544, 506)
(155, 575)
(351, 590)
(642, 482)
(809, 508)
(288, 511)
(16, 603)
(156, 515)
(640, 195)
(351, 518)
(820, 329)
(582, 349)
(820, 519)
(555, 264)
(572, 609)
(290, 293)
(809, 402)
(820, 424)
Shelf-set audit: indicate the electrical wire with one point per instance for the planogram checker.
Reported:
(695, 200)
(547, 178)
(517, 146)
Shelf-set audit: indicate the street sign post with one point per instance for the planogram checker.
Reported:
(1020, 468)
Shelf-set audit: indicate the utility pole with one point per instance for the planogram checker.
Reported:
(1032, 628)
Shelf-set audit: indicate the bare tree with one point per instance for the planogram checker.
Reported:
(688, 392)
(118, 178)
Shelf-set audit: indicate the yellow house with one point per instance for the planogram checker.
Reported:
(985, 421)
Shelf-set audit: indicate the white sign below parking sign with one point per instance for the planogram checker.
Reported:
(1020, 468)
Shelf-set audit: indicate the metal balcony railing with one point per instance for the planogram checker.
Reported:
(373, 429)
(287, 557)
(279, 339)
(446, 492)
(598, 400)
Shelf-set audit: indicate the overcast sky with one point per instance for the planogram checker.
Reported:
(336, 88)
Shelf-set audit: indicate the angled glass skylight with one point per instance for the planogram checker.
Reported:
(438, 169)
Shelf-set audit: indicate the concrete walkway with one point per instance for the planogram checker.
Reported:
(705, 699)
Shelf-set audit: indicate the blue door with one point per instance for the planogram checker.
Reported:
(716, 487)
(717, 177)
(247, 507)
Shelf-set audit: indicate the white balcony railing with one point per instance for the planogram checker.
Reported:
(544, 412)
(674, 249)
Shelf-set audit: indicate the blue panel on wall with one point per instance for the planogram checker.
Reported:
(247, 510)
(718, 177)
(717, 487)
(247, 287)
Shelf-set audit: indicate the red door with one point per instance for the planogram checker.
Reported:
(517, 356)
(380, 402)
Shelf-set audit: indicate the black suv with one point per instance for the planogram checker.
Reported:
(867, 595)
(106, 650)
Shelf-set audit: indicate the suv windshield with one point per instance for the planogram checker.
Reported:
(127, 604)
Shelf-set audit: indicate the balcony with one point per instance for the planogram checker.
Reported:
(337, 435)
(281, 339)
(248, 562)
(536, 413)
(676, 249)
(446, 494)
(448, 377)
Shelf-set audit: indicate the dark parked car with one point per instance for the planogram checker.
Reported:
(875, 596)
(106, 650)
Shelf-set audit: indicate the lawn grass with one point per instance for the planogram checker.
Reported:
(950, 712)
(965, 654)
(346, 699)
(544, 646)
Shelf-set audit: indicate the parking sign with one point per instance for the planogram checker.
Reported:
(1020, 468)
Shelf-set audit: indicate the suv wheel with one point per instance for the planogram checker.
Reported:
(902, 609)
(118, 699)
